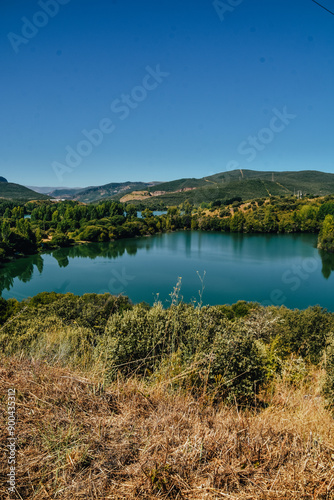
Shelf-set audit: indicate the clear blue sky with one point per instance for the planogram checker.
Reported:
(226, 77)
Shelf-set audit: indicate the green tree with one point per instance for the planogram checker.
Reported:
(18, 212)
(5, 230)
(131, 212)
(326, 209)
(237, 222)
(60, 240)
(326, 235)
(270, 223)
(147, 214)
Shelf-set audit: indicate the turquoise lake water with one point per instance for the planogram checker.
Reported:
(270, 269)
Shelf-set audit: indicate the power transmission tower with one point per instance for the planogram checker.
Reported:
(323, 7)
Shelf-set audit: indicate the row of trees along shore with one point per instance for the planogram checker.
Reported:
(35, 226)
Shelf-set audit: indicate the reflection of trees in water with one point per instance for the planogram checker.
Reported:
(327, 263)
(237, 242)
(61, 258)
(22, 269)
(110, 250)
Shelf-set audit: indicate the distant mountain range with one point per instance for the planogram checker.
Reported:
(94, 193)
(247, 184)
(50, 189)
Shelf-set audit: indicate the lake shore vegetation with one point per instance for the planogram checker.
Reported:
(117, 400)
(29, 228)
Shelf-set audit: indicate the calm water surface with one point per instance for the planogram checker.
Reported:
(277, 269)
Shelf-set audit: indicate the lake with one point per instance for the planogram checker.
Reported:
(154, 212)
(270, 269)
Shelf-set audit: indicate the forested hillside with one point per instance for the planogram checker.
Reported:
(12, 191)
(247, 184)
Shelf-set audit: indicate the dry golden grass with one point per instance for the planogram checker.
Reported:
(77, 440)
(135, 195)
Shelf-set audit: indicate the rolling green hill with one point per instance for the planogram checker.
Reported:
(248, 184)
(178, 184)
(246, 189)
(12, 191)
(311, 181)
(305, 180)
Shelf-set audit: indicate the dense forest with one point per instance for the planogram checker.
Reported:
(40, 225)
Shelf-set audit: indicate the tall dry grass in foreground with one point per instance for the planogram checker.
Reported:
(139, 441)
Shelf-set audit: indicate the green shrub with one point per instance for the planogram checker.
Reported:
(44, 298)
(8, 308)
(294, 370)
(60, 240)
(304, 333)
(328, 387)
(133, 340)
(242, 308)
(227, 358)
(90, 310)
(226, 352)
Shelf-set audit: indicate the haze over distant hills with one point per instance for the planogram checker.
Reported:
(50, 189)
(94, 193)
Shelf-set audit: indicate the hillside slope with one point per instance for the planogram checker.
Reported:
(107, 191)
(248, 184)
(12, 191)
(304, 180)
